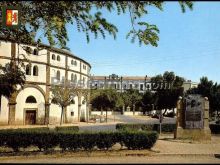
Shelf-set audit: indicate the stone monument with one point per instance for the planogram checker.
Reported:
(193, 118)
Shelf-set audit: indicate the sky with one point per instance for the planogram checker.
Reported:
(189, 44)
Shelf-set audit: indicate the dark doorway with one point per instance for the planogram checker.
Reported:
(30, 117)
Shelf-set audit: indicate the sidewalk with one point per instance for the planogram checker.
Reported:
(167, 145)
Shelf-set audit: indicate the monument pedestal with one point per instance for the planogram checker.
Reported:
(193, 134)
(193, 125)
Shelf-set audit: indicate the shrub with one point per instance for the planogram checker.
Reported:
(106, 140)
(138, 140)
(87, 140)
(68, 141)
(67, 128)
(45, 140)
(16, 139)
(146, 127)
(128, 127)
(165, 127)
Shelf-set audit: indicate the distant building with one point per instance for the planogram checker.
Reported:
(121, 83)
(189, 85)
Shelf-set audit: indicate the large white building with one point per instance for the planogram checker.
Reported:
(32, 104)
(141, 83)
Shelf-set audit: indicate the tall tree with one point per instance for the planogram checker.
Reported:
(167, 95)
(207, 88)
(148, 100)
(133, 97)
(51, 18)
(11, 77)
(64, 95)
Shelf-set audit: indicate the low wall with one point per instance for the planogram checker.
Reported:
(99, 112)
(131, 113)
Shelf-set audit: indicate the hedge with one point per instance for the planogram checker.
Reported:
(215, 128)
(147, 127)
(67, 128)
(77, 140)
(137, 139)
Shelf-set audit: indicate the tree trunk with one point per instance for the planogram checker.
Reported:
(106, 114)
(101, 111)
(61, 116)
(133, 109)
(65, 115)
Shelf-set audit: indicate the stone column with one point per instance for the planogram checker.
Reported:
(47, 112)
(11, 115)
(47, 96)
(134, 109)
(206, 118)
(179, 120)
(79, 107)
(179, 117)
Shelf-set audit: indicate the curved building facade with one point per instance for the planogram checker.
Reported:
(44, 67)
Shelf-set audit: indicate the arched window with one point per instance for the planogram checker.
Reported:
(58, 75)
(83, 80)
(75, 63)
(72, 101)
(72, 77)
(30, 99)
(58, 58)
(28, 69)
(53, 57)
(35, 52)
(35, 71)
(72, 62)
(75, 78)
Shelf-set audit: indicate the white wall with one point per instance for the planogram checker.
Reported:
(72, 66)
(99, 113)
(131, 113)
(41, 57)
(60, 63)
(41, 73)
(4, 111)
(21, 105)
(5, 49)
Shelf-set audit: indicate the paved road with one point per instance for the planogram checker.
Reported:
(113, 120)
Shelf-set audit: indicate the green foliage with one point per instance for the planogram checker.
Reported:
(106, 140)
(63, 95)
(104, 99)
(69, 141)
(52, 17)
(147, 100)
(207, 88)
(11, 75)
(46, 141)
(67, 129)
(166, 97)
(165, 128)
(146, 127)
(138, 140)
(87, 140)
